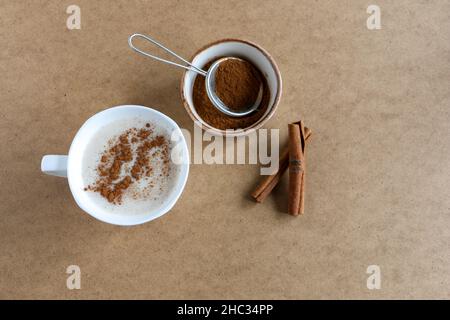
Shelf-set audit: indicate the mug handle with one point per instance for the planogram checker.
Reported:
(54, 165)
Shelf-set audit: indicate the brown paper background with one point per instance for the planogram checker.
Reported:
(378, 162)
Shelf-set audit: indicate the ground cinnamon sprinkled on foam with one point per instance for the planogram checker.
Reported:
(134, 148)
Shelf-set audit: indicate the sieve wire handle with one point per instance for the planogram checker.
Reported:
(189, 65)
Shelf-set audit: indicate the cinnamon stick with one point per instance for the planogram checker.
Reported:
(295, 168)
(267, 184)
(302, 187)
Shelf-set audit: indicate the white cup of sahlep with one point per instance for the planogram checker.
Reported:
(71, 165)
(247, 50)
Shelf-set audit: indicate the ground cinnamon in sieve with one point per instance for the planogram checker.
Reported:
(134, 147)
(206, 110)
(238, 83)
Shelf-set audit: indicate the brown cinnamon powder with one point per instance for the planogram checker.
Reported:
(208, 112)
(139, 145)
(238, 84)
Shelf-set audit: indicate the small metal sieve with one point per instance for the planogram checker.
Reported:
(209, 75)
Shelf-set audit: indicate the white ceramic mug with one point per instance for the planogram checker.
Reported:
(70, 165)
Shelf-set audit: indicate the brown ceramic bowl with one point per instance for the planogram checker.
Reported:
(244, 49)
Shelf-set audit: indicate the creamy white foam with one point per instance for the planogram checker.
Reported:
(147, 194)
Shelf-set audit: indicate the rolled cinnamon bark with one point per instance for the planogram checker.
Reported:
(302, 187)
(267, 184)
(295, 168)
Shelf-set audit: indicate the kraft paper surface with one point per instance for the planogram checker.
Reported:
(377, 101)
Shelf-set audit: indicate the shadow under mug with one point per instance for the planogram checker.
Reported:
(70, 165)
